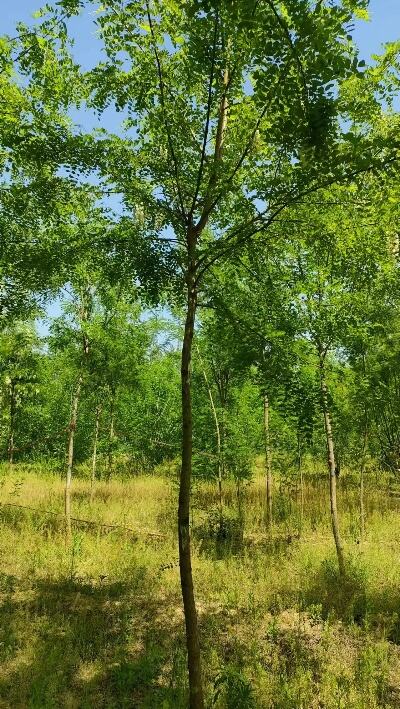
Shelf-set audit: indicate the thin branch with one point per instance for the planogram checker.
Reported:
(208, 116)
(235, 319)
(219, 142)
(32, 33)
(257, 226)
(245, 152)
(164, 111)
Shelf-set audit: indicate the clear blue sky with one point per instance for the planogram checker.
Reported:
(384, 26)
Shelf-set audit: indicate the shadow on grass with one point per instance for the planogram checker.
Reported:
(337, 597)
(220, 535)
(69, 644)
(354, 600)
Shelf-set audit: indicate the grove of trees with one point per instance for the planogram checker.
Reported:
(225, 267)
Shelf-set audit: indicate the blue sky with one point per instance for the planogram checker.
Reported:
(384, 26)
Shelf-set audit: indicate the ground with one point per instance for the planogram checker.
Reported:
(98, 622)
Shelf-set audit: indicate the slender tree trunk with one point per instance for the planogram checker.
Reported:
(362, 471)
(331, 466)
(94, 455)
(111, 438)
(268, 469)
(221, 465)
(221, 379)
(301, 480)
(70, 461)
(13, 406)
(218, 436)
(83, 310)
(239, 497)
(196, 700)
(363, 459)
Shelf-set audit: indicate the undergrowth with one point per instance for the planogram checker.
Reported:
(99, 622)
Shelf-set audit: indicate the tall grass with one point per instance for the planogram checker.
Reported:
(99, 622)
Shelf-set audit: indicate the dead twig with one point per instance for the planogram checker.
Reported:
(155, 535)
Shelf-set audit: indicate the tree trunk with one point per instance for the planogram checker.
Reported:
(331, 466)
(84, 315)
(301, 480)
(221, 378)
(268, 469)
(362, 471)
(221, 461)
(196, 700)
(218, 436)
(70, 462)
(94, 456)
(13, 407)
(111, 438)
(363, 458)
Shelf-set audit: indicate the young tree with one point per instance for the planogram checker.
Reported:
(19, 359)
(120, 341)
(71, 333)
(334, 261)
(252, 299)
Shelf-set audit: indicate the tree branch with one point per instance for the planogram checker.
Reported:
(256, 226)
(208, 115)
(164, 111)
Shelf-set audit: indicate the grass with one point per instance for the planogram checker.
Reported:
(99, 622)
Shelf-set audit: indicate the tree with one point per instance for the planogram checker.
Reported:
(252, 299)
(120, 341)
(19, 355)
(334, 265)
(74, 337)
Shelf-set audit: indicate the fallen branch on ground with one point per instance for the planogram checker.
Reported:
(93, 523)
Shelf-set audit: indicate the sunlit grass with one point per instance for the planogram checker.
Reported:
(99, 622)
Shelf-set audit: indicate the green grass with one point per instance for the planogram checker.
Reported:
(99, 623)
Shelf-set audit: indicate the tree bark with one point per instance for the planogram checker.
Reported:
(83, 314)
(363, 459)
(331, 466)
(94, 455)
(196, 700)
(111, 438)
(362, 471)
(221, 378)
(301, 480)
(221, 461)
(196, 697)
(13, 407)
(268, 469)
(70, 461)
(218, 436)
